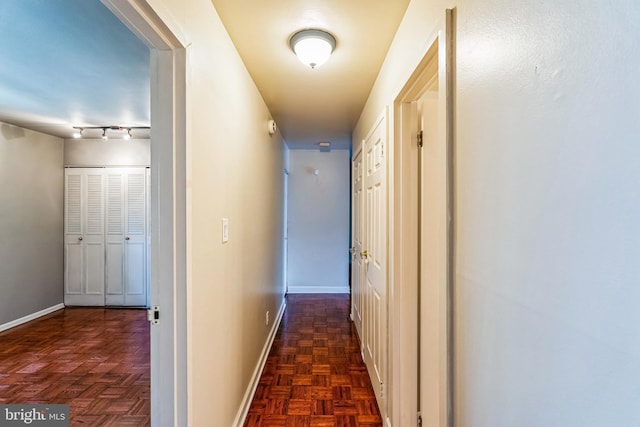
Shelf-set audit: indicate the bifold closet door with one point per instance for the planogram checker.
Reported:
(84, 237)
(126, 236)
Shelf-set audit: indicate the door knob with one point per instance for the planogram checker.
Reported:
(364, 254)
(127, 238)
(80, 238)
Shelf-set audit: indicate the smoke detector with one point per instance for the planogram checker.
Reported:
(272, 127)
(324, 146)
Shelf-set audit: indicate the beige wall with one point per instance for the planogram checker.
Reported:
(235, 171)
(318, 222)
(547, 206)
(115, 152)
(31, 222)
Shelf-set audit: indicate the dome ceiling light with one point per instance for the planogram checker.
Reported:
(312, 47)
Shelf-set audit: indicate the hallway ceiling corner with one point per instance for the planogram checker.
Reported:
(322, 104)
(73, 63)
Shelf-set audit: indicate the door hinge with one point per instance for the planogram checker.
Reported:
(419, 419)
(153, 314)
(420, 139)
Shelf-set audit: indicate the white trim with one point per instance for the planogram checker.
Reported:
(31, 317)
(404, 360)
(257, 373)
(303, 289)
(155, 26)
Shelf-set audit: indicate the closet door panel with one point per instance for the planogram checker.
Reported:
(84, 236)
(115, 237)
(106, 236)
(94, 236)
(126, 230)
(114, 274)
(94, 271)
(73, 247)
(135, 274)
(73, 268)
(135, 261)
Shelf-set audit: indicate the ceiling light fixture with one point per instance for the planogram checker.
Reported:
(127, 135)
(104, 134)
(312, 47)
(78, 133)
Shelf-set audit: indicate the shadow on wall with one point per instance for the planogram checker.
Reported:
(12, 132)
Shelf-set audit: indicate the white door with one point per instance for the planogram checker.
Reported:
(84, 237)
(357, 202)
(126, 234)
(375, 259)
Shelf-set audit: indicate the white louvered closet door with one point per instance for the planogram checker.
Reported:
(126, 235)
(84, 237)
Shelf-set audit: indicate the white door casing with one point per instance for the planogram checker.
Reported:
(375, 258)
(169, 201)
(423, 212)
(84, 237)
(148, 191)
(285, 237)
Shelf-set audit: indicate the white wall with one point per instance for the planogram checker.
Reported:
(31, 222)
(234, 171)
(114, 152)
(547, 278)
(318, 219)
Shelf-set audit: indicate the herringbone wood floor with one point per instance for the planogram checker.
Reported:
(97, 361)
(94, 359)
(314, 375)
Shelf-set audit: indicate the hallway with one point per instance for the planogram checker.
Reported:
(314, 375)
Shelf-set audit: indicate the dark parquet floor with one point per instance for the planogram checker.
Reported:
(314, 375)
(94, 359)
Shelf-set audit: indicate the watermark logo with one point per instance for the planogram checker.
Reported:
(34, 415)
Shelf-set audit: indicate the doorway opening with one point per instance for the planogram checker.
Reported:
(168, 209)
(423, 237)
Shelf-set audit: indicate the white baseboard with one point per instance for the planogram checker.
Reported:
(30, 317)
(301, 289)
(257, 373)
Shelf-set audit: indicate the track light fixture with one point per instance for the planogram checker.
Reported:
(79, 131)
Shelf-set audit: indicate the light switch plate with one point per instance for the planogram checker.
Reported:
(225, 230)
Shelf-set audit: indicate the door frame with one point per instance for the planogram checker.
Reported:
(168, 288)
(285, 237)
(405, 258)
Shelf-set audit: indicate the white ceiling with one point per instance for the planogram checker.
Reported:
(322, 104)
(68, 63)
(72, 63)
